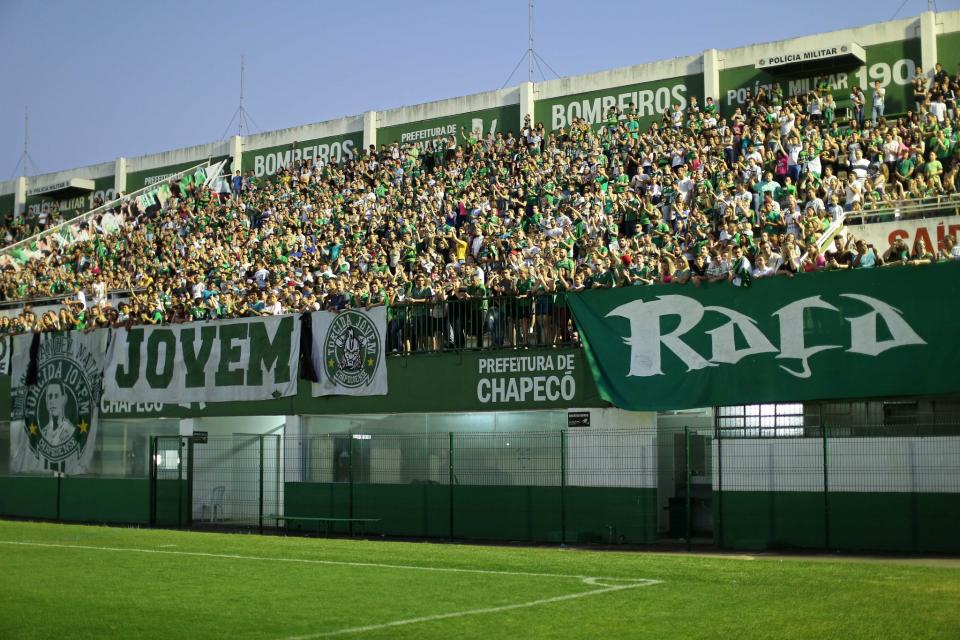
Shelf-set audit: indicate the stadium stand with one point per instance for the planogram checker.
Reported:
(478, 239)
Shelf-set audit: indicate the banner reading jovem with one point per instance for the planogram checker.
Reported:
(54, 416)
(349, 352)
(243, 359)
(855, 334)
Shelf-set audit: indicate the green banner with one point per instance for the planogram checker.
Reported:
(892, 63)
(267, 160)
(649, 100)
(484, 121)
(849, 334)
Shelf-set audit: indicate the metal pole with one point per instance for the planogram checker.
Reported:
(826, 492)
(260, 513)
(530, 41)
(179, 482)
(689, 474)
(451, 479)
(153, 480)
(563, 487)
(190, 482)
(351, 486)
(719, 487)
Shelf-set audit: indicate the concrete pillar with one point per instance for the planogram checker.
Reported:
(527, 101)
(293, 448)
(186, 426)
(369, 130)
(236, 154)
(120, 175)
(711, 76)
(20, 196)
(928, 41)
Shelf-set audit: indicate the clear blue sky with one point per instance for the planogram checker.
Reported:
(107, 78)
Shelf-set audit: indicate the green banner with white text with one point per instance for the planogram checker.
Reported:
(853, 334)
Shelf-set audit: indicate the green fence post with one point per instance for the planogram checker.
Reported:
(260, 506)
(451, 479)
(826, 492)
(179, 482)
(350, 501)
(563, 488)
(719, 536)
(153, 481)
(688, 482)
(189, 522)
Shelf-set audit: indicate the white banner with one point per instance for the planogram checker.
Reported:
(223, 361)
(349, 352)
(931, 230)
(54, 421)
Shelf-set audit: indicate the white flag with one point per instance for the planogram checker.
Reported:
(349, 352)
(54, 421)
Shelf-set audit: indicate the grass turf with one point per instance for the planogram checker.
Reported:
(85, 582)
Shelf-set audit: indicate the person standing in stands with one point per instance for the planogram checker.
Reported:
(878, 95)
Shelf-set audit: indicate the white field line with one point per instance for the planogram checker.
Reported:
(475, 612)
(341, 563)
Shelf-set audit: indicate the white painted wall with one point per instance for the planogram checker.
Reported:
(340, 126)
(197, 154)
(901, 465)
(448, 107)
(648, 72)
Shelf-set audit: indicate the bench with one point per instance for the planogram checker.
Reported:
(328, 521)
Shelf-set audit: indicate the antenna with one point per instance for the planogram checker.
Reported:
(241, 115)
(25, 161)
(531, 55)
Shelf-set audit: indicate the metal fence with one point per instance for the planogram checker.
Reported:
(863, 487)
(480, 323)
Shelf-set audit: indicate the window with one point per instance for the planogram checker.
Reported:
(761, 420)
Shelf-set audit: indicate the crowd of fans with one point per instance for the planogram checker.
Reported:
(480, 238)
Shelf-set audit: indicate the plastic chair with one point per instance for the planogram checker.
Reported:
(215, 504)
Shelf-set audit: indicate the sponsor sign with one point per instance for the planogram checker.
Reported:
(794, 56)
(54, 418)
(245, 359)
(527, 379)
(931, 231)
(649, 100)
(483, 123)
(336, 149)
(850, 334)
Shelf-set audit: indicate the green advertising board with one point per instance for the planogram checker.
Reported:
(420, 132)
(948, 51)
(650, 99)
(267, 160)
(892, 63)
(846, 334)
(73, 205)
(471, 381)
(139, 179)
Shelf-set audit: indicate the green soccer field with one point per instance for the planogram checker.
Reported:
(61, 581)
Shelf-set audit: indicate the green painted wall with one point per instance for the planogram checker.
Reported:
(139, 179)
(28, 497)
(496, 120)
(418, 383)
(650, 98)
(266, 160)
(481, 512)
(948, 51)
(892, 63)
(907, 522)
(106, 500)
(75, 205)
(171, 495)
(6, 205)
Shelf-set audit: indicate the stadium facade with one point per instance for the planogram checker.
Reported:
(530, 444)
